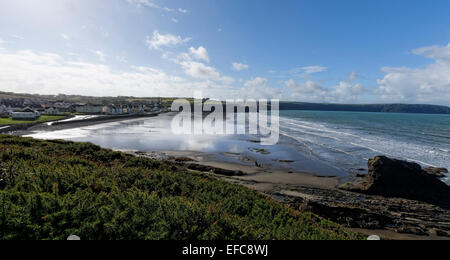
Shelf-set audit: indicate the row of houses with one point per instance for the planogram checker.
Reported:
(26, 113)
(116, 109)
(29, 113)
(19, 114)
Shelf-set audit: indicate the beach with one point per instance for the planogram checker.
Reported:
(282, 172)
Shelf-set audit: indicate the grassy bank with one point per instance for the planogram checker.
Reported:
(42, 119)
(51, 189)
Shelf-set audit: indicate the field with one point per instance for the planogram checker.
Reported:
(52, 189)
(45, 118)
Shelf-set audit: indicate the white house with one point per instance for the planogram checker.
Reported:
(3, 109)
(26, 114)
(113, 110)
(90, 109)
(4, 113)
(52, 111)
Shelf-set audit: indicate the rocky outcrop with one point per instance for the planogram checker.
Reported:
(210, 169)
(401, 179)
(436, 172)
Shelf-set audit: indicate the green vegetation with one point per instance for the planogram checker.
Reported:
(52, 189)
(385, 108)
(42, 119)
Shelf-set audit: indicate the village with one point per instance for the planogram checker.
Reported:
(27, 109)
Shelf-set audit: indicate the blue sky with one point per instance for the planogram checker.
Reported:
(346, 51)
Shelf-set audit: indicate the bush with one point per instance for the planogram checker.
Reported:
(52, 189)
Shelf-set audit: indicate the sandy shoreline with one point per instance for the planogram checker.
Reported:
(301, 190)
(70, 124)
(389, 218)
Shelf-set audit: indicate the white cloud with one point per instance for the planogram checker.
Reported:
(191, 66)
(239, 66)
(17, 37)
(352, 76)
(438, 53)
(121, 59)
(256, 82)
(100, 55)
(309, 87)
(313, 69)
(430, 84)
(202, 71)
(347, 92)
(47, 73)
(151, 4)
(64, 36)
(174, 20)
(164, 40)
(311, 91)
(200, 53)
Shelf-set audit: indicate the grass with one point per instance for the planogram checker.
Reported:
(52, 189)
(42, 119)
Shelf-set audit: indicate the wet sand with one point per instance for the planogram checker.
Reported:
(73, 123)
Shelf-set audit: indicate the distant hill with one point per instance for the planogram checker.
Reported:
(284, 105)
(388, 108)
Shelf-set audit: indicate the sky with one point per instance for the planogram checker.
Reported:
(346, 51)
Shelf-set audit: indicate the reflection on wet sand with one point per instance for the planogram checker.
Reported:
(154, 135)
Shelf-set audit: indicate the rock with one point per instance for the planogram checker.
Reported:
(441, 233)
(219, 171)
(401, 179)
(373, 238)
(436, 172)
(184, 159)
(73, 238)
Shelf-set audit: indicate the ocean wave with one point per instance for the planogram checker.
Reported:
(315, 134)
(316, 127)
(325, 139)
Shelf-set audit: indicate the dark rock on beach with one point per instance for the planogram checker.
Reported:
(219, 171)
(437, 172)
(401, 179)
(369, 212)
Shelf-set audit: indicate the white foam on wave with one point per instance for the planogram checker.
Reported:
(316, 127)
(378, 144)
(311, 133)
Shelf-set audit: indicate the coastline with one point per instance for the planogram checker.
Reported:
(389, 218)
(71, 124)
(303, 190)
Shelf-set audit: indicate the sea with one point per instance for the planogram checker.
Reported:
(348, 139)
(322, 142)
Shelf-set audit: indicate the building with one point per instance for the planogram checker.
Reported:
(52, 111)
(25, 114)
(4, 113)
(113, 110)
(89, 109)
(134, 109)
(64, 107)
